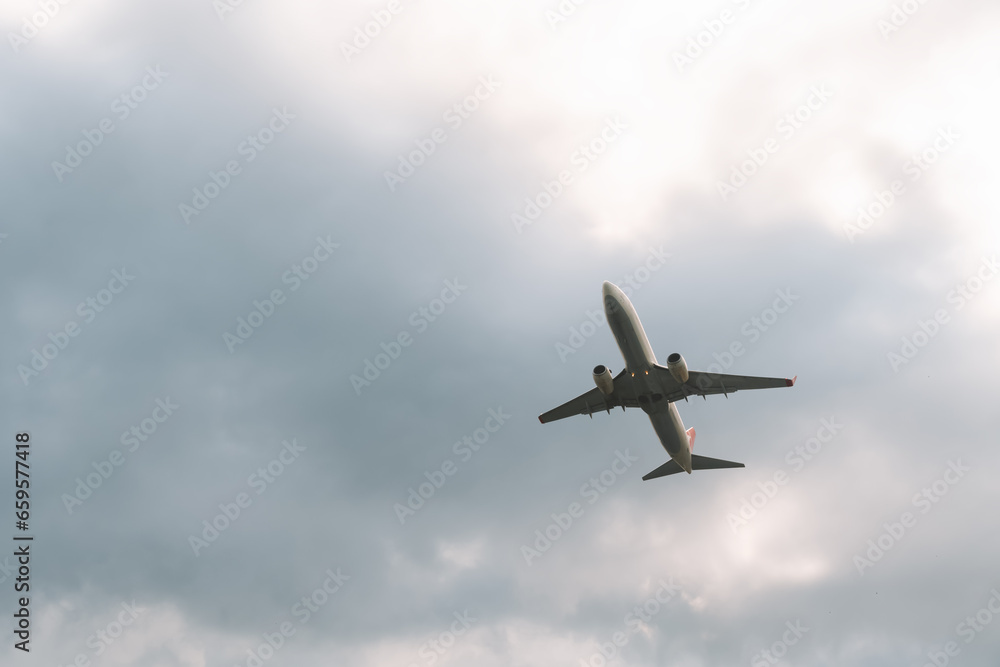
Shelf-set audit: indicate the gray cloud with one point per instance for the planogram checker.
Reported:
(495, 346)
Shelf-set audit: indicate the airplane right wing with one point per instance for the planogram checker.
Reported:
(703, 383)
(595, 400)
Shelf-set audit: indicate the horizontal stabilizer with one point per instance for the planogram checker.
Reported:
(705, 463)
(669, 468)
(697, 463)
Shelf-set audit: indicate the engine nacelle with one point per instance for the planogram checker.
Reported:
(603, 380)
(677, 367)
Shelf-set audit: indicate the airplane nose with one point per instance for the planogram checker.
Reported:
(612, 297)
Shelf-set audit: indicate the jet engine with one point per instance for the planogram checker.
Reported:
(603, 380)
(677, 367)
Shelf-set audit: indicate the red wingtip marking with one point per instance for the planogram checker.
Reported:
(791, 383)
(540, 419)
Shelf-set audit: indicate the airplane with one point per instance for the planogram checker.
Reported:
(645, 384)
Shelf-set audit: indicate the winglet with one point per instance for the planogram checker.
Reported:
(791, 383)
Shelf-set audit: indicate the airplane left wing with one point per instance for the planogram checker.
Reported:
(595, 400)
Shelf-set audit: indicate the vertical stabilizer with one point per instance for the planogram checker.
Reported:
(690, 433)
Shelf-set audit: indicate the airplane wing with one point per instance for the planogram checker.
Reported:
(595, 400)
(626, 394)
(701, 383)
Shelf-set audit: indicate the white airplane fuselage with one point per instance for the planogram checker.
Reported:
(639, 360)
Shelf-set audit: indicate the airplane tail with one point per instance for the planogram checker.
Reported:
(671, 467)
(690, 434)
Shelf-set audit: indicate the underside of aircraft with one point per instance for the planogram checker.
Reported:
(654, 389)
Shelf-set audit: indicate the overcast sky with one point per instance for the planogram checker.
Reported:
(286, 286)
